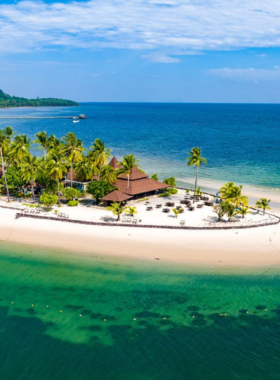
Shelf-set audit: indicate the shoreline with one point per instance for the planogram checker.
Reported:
(236, 248)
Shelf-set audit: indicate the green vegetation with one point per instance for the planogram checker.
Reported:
(14, 101)
(73, 150)
(263, 203)
(171, 191)
(117, 209)
(195, 159)
(98, 189)
(128, 162)
(232, 193)
(48, 200)
(177, 212)
(70, 193)
(24, 175)
(99, 154)
(162, 195)
(131, 210)
(171, 181)
(154, 177)
(232, 202)
(73, 203)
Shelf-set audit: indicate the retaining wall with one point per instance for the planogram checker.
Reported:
(232, 227)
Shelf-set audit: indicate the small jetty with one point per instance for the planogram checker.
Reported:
(82, 116)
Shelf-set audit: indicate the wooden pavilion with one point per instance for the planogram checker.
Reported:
(138, 185)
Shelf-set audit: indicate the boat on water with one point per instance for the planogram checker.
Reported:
(76, 121)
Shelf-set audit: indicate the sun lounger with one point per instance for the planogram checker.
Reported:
(134, 221)
(183, 222)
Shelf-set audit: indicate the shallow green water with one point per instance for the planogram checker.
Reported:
(64, 316)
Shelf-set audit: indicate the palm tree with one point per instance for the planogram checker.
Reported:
(244, 211)
(195, 159)
(53, 142)
(8, 132)
(109, 174)
(4, 147)
(176, 212)
(226, 189)
(20, 148)
(30, 170)
(231, 210)
(99, 154)
(132, 210)
(263, 203)
(235, 196)
(42, 140)
(84, 170)
(56, 167)
(220, 210)
(117, 209)
(127, 163)
(73, 148)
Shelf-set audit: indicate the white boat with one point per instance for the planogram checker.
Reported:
(76, 121)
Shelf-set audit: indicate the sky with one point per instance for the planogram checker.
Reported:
(224, 51)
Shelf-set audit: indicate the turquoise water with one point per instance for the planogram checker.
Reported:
(66, 316)
(240, 141)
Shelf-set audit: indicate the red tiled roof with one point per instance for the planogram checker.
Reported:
(135, 173)
(116, 196)
(114, 163)
(140, 186)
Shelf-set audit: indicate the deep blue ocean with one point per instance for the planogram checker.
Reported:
(240, 141)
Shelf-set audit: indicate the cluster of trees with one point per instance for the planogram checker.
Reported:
(60, 156)
(13, 101)
(233, 203)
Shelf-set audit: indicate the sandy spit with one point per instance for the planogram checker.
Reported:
(251, 247)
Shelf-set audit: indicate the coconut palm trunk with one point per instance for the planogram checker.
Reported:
(195, 184)
(32, 189)
(58, 195)
(4, 175)
(127, 183)
(71, 175)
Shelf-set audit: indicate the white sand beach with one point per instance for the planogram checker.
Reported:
(254, 246)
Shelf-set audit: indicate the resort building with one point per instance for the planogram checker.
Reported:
(138, 185)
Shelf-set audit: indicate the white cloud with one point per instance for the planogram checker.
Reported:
(249, 74)
(163, 25)
(162, 58)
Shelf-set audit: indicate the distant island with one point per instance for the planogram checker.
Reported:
(14, 101)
